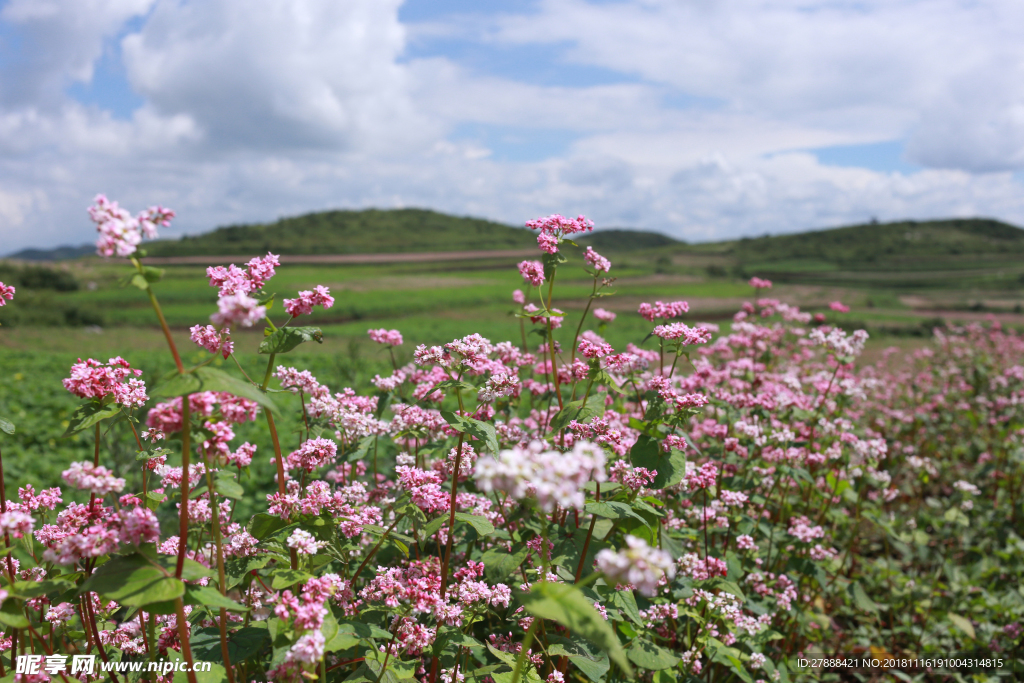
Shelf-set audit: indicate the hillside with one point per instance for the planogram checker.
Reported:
(878, 242)
(351, 232)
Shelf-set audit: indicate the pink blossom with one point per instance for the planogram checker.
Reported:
(599, 263)
(120, 232)
(243, 456)
(386, 337)
(517, 296)
(839, 307)
(7, 293)
(313, 454)
(303, 305)
(758, 283)
(304, 543)
(532, 272)
(547, 243)
(663, 310)
(683, 333)
(93, 478)
(212, 340)
(603, 315)
(589, 349)
(16, 523)
(92, 379)
(131, 394)
(234, 280)
(559, 225)
(637, 564)
(238, 308)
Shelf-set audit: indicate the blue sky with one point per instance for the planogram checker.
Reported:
(705, 120)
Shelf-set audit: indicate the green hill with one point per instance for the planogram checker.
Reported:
(879, 242)
(352, 232)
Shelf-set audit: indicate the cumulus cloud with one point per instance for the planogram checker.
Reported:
(704, 132)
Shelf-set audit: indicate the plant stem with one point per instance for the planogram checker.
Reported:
(379, 543)
(212, 492)
(576, 337)
(280, 473)
(186, 430)
(186, 646)
(527, 642)
(451, 517)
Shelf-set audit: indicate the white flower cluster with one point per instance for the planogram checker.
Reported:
(638, 564)
(552, 477)
(838, 342)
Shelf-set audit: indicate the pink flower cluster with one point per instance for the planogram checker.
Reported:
(598, 262)
(96, 380)
(86, 532)
(386, 337)
(532, 272)
(120, 232)
(6, 293)
(307, 299)
(637, 565)
(313, 454)
(683, 333)
(553, 228)
(208, 337)
(758, 283)
(662, 310)
(93, 478)
(240, 309)
(233, 280)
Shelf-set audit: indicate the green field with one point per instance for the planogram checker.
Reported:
(898, 284)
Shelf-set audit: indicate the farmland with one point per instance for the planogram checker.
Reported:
(774, 486)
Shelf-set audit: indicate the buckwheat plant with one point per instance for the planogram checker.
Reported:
(715, 504)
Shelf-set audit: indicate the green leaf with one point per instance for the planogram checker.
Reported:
(6, 426)
(499, 564)
(625, 601)
(34, 589)
(647, 655)
(963, 624)
(242, 644)
(613, 510)
(88, 414)
(226, 485)
(262, 525)
(11, 614)
(206, 596)
(482, 526)
(453, 384)
(208, 378)
(151, 274)
(566, 605)
(588, 659)
(529, 673)
(861, 599)
(285, 578)
(575, 410)
(670, 544)
(468, 425)
(671, 466)
(338, 638)
(431, 527)
(287, 338)
(134, 581)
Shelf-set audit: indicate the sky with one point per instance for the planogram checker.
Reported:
(702, 119)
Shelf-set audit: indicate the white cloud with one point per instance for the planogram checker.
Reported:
(314, 104)
(61, 43)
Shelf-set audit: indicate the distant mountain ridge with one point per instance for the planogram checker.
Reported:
(379, 231)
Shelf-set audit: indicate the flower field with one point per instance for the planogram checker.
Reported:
(735, 502)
